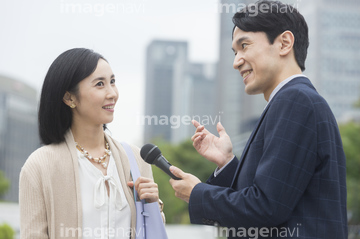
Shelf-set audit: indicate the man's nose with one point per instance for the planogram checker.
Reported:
(238, 61)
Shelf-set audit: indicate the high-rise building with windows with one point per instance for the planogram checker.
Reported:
(166, 66)
(202, 104)
(19, 135)
(176, 92)
(334, 52)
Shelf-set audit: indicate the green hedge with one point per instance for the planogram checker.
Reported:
(6, 231)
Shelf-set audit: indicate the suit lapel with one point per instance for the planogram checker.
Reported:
(298, 80)
(251, 138)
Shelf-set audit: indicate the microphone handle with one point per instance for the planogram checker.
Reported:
(164, 165)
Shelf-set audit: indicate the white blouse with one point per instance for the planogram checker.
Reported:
(103, 216)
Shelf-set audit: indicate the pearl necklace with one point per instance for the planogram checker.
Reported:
(100, 160)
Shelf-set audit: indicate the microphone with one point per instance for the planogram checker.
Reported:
(152, 155)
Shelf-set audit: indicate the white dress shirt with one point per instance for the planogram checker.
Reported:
(103, 216)
(273, 93)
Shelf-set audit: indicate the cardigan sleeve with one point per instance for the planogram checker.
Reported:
(33, 220)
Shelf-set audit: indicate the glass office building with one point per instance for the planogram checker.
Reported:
(166, 64)
(334, 51)
(18, 130)
(177, 91)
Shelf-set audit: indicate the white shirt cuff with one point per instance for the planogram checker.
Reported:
(218, 170)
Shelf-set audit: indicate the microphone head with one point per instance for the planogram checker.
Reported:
(149, 153)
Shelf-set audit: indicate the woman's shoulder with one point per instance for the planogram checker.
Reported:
(40, 156)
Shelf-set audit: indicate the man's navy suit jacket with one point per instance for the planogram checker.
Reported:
(291, 175)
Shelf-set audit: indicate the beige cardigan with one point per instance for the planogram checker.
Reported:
(49, 191)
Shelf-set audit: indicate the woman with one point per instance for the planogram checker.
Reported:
(79, 184)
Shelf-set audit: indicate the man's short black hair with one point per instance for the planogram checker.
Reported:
(273, 18)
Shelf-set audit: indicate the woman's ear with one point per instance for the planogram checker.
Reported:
(68, 100)
(287, 40)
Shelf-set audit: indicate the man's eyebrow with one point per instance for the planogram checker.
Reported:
(239, 41)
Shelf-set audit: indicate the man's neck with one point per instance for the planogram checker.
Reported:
(281, 84)
(287, 71)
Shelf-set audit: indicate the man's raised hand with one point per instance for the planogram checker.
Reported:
(213, 148)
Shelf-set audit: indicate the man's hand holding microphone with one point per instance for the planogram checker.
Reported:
(215, 149)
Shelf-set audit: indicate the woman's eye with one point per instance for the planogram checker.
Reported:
(112, 81)
(100, 83)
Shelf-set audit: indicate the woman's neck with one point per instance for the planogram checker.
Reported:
(88, 136)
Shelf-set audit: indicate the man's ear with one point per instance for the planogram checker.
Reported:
(287, 40)
(68, 99)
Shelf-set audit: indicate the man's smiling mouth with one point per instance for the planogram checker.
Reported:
(246, 73)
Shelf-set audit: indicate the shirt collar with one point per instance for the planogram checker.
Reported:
(284, 82)
(279, 86)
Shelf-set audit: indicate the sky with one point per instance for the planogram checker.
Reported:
(33, 33)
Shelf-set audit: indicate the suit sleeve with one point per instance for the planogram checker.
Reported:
(285, 167)
(225, 177)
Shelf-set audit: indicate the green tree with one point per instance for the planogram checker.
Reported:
(186, 158)
(357, 104)
(350, 134)
(6, 232)
(4, 184)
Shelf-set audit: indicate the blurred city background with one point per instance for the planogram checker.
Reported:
(173, 63)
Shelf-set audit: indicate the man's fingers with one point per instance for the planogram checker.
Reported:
(200, 128)
(195, 123)
(196, 135)
(221, 130)
(177, 172)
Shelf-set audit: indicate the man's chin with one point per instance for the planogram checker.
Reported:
(251, 91)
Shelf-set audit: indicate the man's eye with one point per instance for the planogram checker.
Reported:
(112, 81)
(244, 45)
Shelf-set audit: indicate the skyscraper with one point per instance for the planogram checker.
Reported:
(18, 130)
(166, 65)
(334, 52)
(202, 105)
(177, 91)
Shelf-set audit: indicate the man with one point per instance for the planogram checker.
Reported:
(290, 181)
